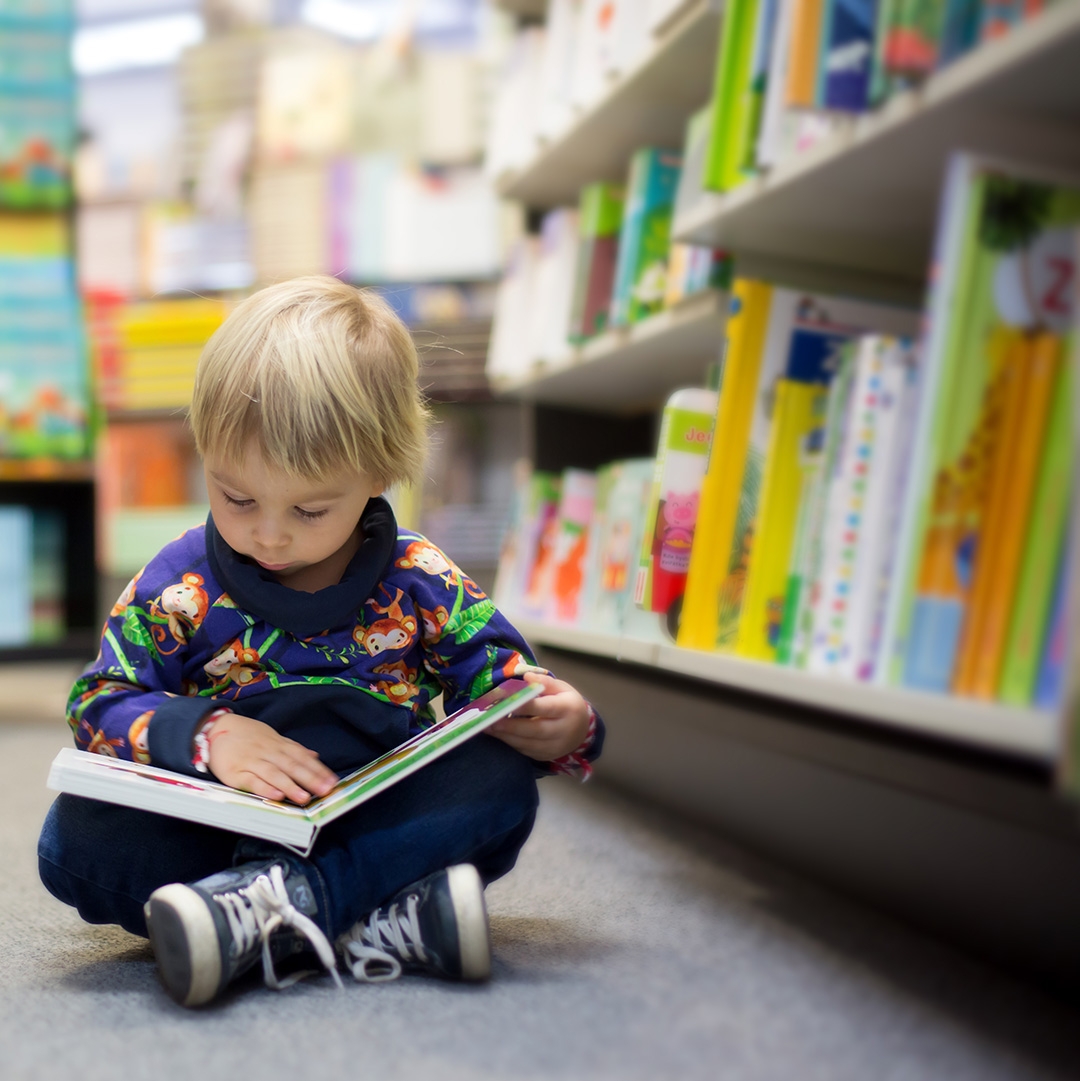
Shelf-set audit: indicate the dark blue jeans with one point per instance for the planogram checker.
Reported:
(476, 804)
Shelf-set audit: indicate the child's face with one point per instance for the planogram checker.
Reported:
(303, 531)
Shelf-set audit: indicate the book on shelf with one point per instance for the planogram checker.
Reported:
(1007, 234)
(551, 298)
(577, 501)
(614, 543)
(774, 333)
(31, 575)
(599, 223)
(686, 429)
(847, 50)
(797, 428)
(161, 791)
(1043, 551)
(645, 236)
(1053, 661)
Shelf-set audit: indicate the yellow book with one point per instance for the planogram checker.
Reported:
(798, 411)
(992, 631)
(804, 56)
(711, 554)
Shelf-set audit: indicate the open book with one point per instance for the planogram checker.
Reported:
(151, 789)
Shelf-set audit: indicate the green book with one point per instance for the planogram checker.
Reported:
(734, 112)
(1042, 550)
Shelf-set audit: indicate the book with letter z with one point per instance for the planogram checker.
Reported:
(148, 788)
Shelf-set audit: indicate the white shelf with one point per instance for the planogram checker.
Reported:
(646, 106)
(633, 367)
(867, 197)
(1028, 733)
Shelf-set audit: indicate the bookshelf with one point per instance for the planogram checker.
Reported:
(866, 198)
(645, 106)
(939, 808)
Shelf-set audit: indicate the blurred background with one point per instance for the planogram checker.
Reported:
(748, 328)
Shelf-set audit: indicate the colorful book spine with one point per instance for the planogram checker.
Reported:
(747, 325)
(797, 429)
(914, 38)
(681, 459)
(960, 29)
(802, 79)
(538, 548)
(1043, 548)
(645, 236)
(734, 111)
(803, 586)
(847, 55)
(1012, 284)
(958, 223)
(760, 58)
(1007, 515)
(599, 222)
(884, 503)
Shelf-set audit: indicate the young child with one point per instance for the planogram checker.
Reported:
(295, 636)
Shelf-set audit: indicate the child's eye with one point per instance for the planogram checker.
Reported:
(309, 515)
(237, 502)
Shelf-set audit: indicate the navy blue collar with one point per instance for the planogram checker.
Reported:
(306, 614)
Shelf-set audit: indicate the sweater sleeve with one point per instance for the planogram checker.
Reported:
(130, 702)
(470, 646)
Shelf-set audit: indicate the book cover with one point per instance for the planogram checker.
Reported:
(847, 53)
(538, 548)
(805, 339)
(645, 236)
(774, 111)
(747, 323)
(960, 29)
(622, 495)
(913, 39)
(148, 788)
(761, 53)
(735, 105)
(797, 431)
(1043, 547)
(802, 79)
(901, 394)
(1011, 278)
(599, 223)
(576, 506)
(1007, 514)
(16, 564)
(803, 585)
(681, 458)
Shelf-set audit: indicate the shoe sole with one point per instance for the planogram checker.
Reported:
(470, 911)
(185, 942)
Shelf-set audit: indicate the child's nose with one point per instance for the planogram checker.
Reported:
(270, 533)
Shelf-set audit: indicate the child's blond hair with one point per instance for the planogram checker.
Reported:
(322, 376)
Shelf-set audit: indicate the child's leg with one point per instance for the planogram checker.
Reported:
(475, 805)
(106, 860)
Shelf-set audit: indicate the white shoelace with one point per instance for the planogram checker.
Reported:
(368, 944)
(255, 912)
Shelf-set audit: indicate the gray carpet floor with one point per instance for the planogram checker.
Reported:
(627, 945)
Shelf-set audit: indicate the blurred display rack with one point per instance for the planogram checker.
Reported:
(45, 469)
(525, 9)
(867, 196)
(1029, 733)
(618, 370)
(648, 105)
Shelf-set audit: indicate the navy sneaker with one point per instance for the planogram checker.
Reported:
(438, 925)
(207, 933)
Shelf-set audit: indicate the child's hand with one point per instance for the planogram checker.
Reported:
(249, 755)
(549, 726)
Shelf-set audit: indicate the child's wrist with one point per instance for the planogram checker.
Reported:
(200, 757)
